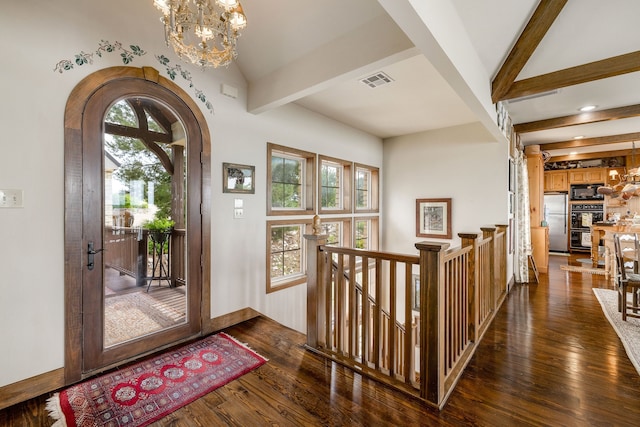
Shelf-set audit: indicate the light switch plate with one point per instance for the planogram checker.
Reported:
(11, 198)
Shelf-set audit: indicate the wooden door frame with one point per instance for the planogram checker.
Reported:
(74, 256)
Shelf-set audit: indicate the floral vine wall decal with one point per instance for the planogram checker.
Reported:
(173, 71)
(103, 47)
(128, 56)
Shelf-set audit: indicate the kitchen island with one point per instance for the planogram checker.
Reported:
(604, 232)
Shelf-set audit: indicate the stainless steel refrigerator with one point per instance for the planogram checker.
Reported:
(556, 215)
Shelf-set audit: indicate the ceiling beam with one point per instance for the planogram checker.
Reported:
(605, 68)
(589, 142)
(378, 43)
(533, 33)
(589, 156)
(580, 119)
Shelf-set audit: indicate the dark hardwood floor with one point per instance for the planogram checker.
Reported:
(549, 358)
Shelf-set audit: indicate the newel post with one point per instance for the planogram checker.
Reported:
(486, 233)
(471, 239)
(432, 320)
(315, 309)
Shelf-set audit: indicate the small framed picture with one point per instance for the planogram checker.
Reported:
(512, 175)
(238, 178)
(433, 218)
(512, 203)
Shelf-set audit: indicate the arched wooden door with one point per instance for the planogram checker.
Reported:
(138, 292)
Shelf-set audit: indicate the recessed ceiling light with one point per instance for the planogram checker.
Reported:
(588, 108)
(578, 137)
(573, 153)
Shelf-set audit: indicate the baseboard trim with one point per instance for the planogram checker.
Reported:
(231, 319)
(31, 387)
(40, 384)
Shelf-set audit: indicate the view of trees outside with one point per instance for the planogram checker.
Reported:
(362, 234)
(363, 182)
(286, 182)
(140, 179)
(332, 230)
(286, 250)
(331, 181)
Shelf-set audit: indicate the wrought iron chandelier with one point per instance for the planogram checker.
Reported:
(203, 31)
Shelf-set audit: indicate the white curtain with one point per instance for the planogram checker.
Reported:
(523, 221)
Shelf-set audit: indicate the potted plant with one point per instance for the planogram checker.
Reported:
(159, 229)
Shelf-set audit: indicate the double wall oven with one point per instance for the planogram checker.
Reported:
(581, 216)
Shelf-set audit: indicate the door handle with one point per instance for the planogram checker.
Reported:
(91, 253)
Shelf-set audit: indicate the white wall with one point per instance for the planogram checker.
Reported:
(34, 36)
(463, 163)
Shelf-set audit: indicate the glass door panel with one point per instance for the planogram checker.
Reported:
(144, 224)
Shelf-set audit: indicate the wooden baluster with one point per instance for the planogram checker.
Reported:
(352, 318)
(501, 254)
(409, 343)
(377, 315)
(392, 319)
(366, 311)
(491, 232)
(340, 305)
(471, 239)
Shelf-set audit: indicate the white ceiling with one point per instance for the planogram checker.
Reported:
(314, 53)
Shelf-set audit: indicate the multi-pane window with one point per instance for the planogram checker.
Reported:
(330, 184)
(286, 253)
(291, 181)
(366, 188)
(338, 231)
(363, 183)
(286, 182)
(334, 185)
(362, 234)
(292, 190)
(366, 233)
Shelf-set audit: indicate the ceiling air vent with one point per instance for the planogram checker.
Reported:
(377, 79)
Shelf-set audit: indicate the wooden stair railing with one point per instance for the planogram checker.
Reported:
(398, 345)
(459, 294)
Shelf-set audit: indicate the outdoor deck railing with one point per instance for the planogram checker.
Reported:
(127, 251)
(410, 321)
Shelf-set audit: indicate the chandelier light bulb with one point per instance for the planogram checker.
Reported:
(162, 6)
(238, 19)
(228, 5)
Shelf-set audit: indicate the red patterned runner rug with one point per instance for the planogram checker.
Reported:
(147, 391)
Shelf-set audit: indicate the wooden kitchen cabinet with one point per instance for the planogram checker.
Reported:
(588, 176)
(540, 247)
(556, 181)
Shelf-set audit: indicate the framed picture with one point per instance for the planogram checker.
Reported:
(433, 218)
(238, 178)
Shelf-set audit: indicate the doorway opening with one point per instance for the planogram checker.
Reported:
(137, 233)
